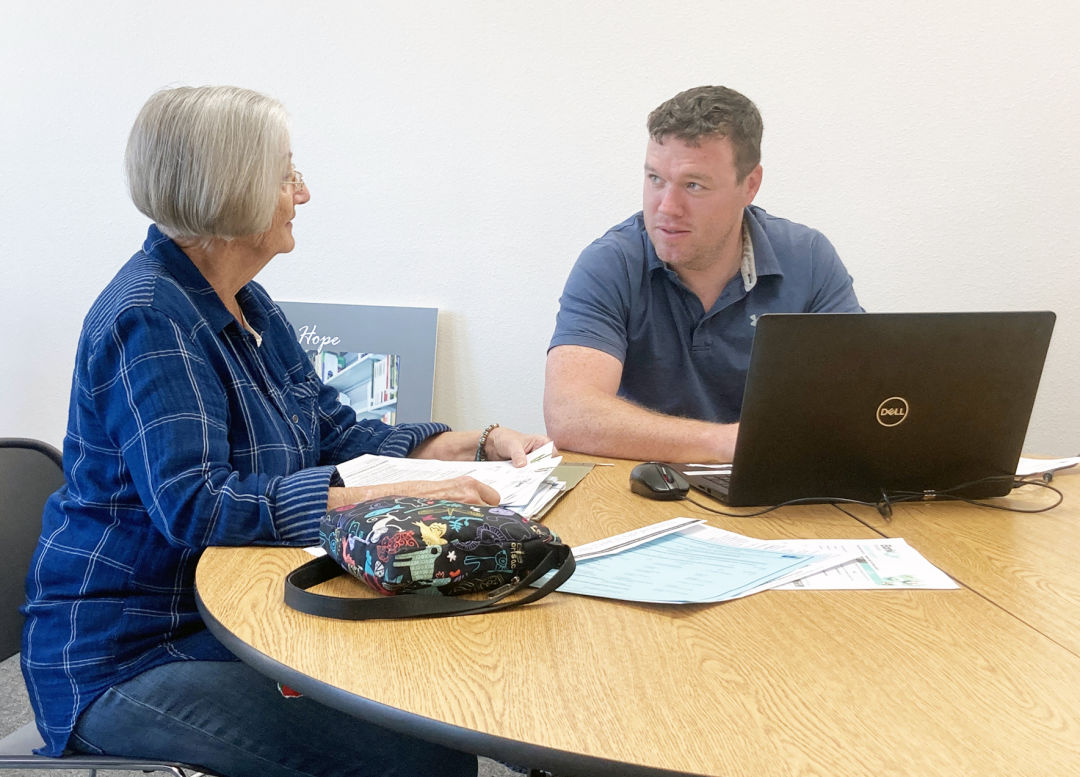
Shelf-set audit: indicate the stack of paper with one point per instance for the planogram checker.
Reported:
(525, 490)
(664, 565)
(855, 564)
(685, 560)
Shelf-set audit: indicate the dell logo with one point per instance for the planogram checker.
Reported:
(892, 412)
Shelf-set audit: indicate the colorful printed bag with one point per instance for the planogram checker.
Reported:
(409, 545)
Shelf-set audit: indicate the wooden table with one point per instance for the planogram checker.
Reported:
(838, 684)
(1024, 563)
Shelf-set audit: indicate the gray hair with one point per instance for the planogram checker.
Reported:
(711, 111)
(207, 162)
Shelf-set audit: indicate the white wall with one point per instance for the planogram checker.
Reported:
(461, 154)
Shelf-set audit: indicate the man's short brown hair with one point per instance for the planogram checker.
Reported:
(712, 111)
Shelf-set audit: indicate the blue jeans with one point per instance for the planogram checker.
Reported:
(233, 721)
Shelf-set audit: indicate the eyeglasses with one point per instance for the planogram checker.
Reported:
(294, 178)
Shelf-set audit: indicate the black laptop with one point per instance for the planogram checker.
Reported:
(868, 405)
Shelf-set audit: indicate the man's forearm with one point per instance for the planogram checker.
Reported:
(611, 426)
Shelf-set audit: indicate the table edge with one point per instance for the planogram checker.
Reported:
(431, 730)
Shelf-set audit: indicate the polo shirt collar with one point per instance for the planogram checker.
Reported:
(763, 259)
(758, 256)
(749, 266)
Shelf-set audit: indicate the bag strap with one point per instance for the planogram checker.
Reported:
(559, 558)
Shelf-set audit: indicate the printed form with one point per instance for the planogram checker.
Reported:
(685, 560)
(524, 489)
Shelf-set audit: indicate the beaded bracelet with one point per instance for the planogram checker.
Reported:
(480, 454)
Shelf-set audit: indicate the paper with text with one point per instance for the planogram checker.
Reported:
(884, 563)
(518, 487)
(669, 567)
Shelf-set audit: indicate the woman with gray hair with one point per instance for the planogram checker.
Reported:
(196, 419)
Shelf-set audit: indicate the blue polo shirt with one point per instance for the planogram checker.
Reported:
(678, 358)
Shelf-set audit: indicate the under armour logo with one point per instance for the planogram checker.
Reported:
(753, 319)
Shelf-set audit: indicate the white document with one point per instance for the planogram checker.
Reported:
(663, 564)
(630, 539)
(676, 569)
(1027, 466)
(828, 564)
(843, 564)
(884, 563)
(828, 553)
(517, 486)
(545, 492)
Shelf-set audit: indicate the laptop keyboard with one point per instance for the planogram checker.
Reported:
(712, 479)
(717, 483)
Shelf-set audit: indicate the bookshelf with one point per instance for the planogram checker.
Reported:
(369, 384)
(380, 358)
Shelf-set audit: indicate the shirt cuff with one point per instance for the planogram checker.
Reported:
(404, 438)
(301, 504)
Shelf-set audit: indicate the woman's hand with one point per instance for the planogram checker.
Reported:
(503, 443)
(460, 489)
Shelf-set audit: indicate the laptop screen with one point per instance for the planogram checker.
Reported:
(851, 405)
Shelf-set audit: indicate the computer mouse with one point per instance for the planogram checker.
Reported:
(658, 481)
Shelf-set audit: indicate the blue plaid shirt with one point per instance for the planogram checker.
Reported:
(183, 433)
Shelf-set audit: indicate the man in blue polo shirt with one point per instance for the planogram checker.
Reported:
(652, 340)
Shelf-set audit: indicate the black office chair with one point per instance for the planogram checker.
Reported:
(30, 471)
